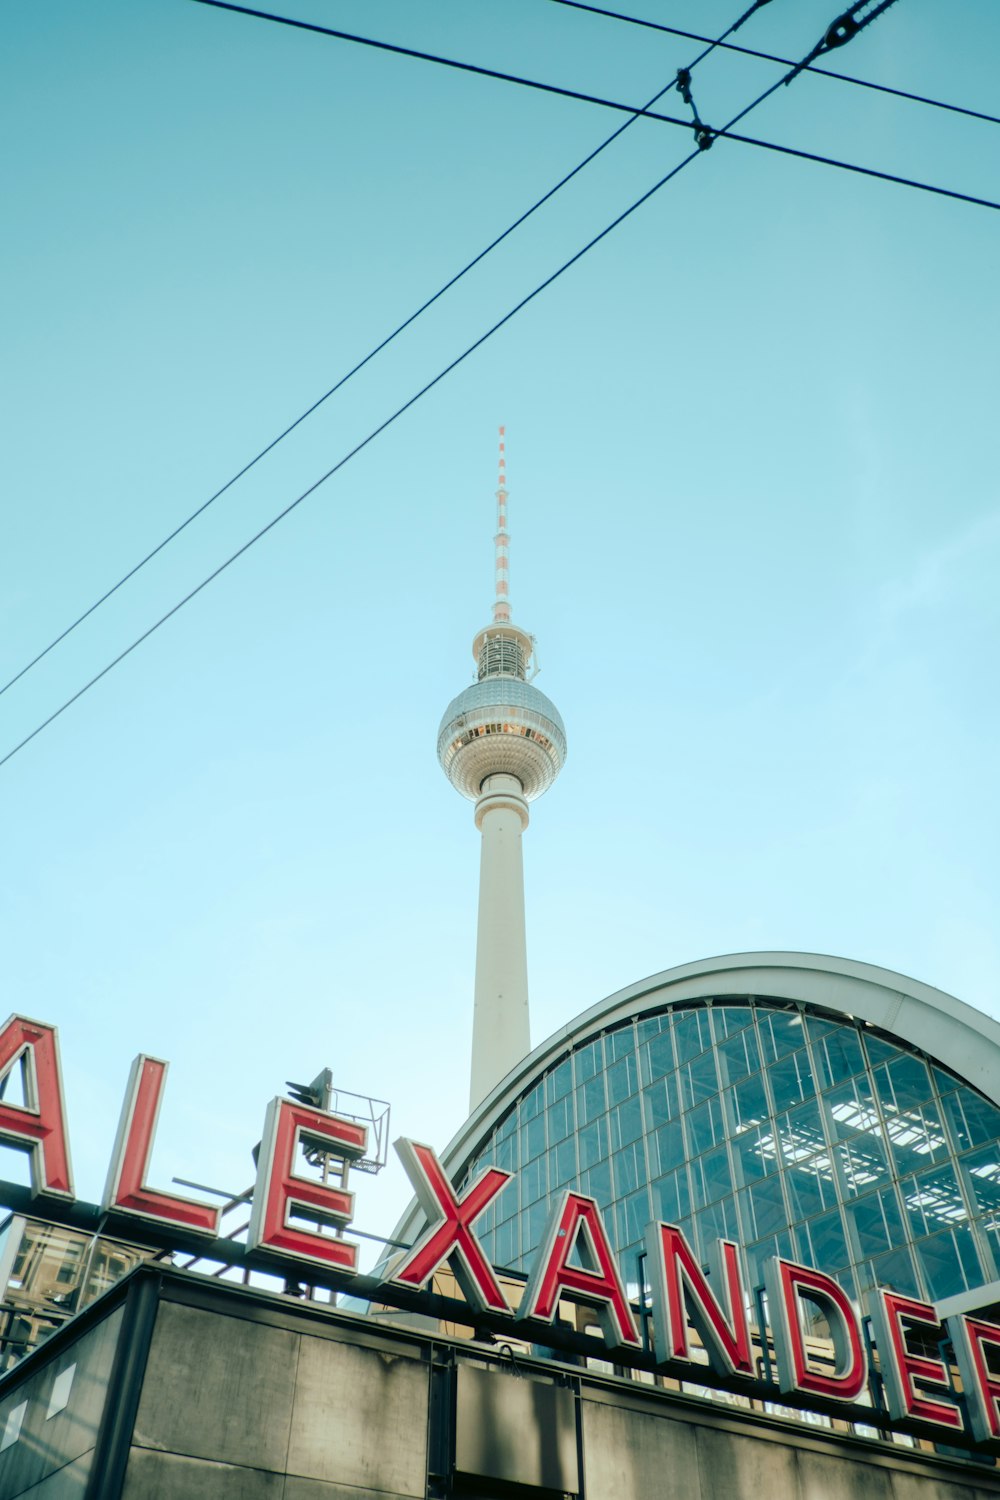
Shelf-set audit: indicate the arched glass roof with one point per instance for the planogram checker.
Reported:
(769, 1099)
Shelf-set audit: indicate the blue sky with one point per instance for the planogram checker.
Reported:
(754, 510)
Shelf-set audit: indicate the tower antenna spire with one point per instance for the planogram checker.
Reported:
(501, 542)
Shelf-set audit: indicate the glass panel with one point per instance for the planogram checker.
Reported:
(531, 1104)
(629, 1168)
(933, 1200)
(698, 1080)
(812, 1186)
(791, 1079)
(661, 1100)
(863, 1163)
(692, 1033)
(593, 1141)
(487, 1220)
(623, 1078)
(755, 1154)
(506, 1243)
(838, 1054)
(658, 1057)
(590, 1100)
(563, 1163)
(909, 1080)
(781, 1032)
(670, 1146)
(705, 1127)
(949, 1262)
(717, 1223)
(597, 1183)
(817, 1027)
(618, 1043)
(851, 1107)
(738, 1056)
(762, 1206)
(896, 1272)
(877, 1222)
(916, 1136)
(626, 1123)
(505, 1202)
(506, 1154)
(559, 1082)
(534, 1221)
(973, 1120)
(711, 1177)
(533, 1138)
(800, 1132)
(561, 1118)
(651, 1026)
(944, 1080)
(671, 1197)
(631, 1217)
(534, 1180)
(777, 1244)
(728, 1019)
(588, 1062)
(748, 1103)
(822, 1242)
(878, 1050)
(982, 1174)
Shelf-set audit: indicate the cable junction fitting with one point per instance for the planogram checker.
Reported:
(841, 31)
(704, 134)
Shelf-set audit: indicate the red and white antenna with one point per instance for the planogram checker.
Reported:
(501, 604)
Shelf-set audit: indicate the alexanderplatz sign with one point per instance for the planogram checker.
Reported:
(908, 1386)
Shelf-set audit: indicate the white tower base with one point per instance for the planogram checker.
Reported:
(500, 1033)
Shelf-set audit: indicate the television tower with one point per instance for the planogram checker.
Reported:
(501, 744)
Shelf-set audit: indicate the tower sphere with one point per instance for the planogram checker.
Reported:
(501, 726)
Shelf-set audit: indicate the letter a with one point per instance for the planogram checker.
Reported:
(39, 1125)
(576, 1228)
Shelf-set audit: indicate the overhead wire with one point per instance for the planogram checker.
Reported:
(724, 132)
(785, 62)
(639, 112)
(711, 44)
(634, 113)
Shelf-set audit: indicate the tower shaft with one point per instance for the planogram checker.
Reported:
(500, 1026)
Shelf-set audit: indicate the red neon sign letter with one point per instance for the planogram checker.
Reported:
(38, 1125)
(902, 1370)
(281, 1191)
(575, 1226)
(126, 1190)
(680, 1292)
(788, 1286)
(450, 1237)
(972, 1337)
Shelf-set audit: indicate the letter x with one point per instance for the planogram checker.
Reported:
(450, 1236)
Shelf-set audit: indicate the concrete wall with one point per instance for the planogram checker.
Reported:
(230, 1407)
(56, 1413)
(634, 1452)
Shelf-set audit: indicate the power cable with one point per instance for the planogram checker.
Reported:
(703, 134)
(710, 45)
(785, 62)
(356, 369)
(418, 395)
